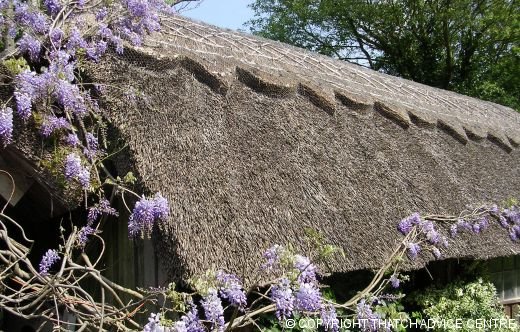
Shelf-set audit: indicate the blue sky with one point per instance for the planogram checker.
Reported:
(230, 14)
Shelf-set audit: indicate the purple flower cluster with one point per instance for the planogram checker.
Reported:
(406, 225)
(72, 140)
(329, 318)
(154, 324)
(48, 259)
(368, 320)
(94, 212)
(75, 41)
(30, 45)
(26, 17)
(230, 288)
(29, 87)
(307, 298)
(307, 270)
(394, 281)
(35, 88)
(272, 257)
(101, 14)
(103, 207)
(191, 321)
(213, 310)
(53, 6)
(302, 296)
(52, 124)
(96, 50)
(427, 230)
(70, 97)
(510, 219)
(145, 213)
(56, 35)
(142, 18)
(74, 170)
(6, 126)
(282, 296)
(475, 226)
(413, 250)
(92, 147)
(84, 233)
(61, 64)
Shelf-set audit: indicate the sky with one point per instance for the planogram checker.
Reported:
(231, 14)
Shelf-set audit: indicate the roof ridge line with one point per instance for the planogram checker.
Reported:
(292, 84)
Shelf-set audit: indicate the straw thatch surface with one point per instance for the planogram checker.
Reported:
(252, 141)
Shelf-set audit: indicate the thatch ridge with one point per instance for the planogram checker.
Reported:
(225, 49)
(257, 164)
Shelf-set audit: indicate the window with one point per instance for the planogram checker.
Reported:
(505, 274)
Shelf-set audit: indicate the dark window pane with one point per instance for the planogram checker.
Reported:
(495, 265)
(509, 263)
(509, 285)
(498, 281)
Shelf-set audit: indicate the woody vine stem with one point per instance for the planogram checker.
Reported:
(46, 46)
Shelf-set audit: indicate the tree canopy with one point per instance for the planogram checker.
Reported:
(469, 46)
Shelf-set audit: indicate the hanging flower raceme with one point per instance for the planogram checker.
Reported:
(368, 320)
(6, 126)
(282, 296)
(329, 318)
(272, 257)
(307, 270)
(48, 259)
(30, 45)
(231, 289)
(51, 124)
(426, 230)
(75, 171)
(308, 298)
(213, 310)
(145, 213)
(394, 281)
(191, 320)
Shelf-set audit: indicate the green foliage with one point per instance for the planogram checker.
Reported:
(393, 312)
(15, 66)
(510, 202)
(318, 242)
(458, 300)
(469, 46)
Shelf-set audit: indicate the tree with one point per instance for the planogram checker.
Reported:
(469, 46)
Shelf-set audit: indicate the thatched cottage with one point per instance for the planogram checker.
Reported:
(253, 141)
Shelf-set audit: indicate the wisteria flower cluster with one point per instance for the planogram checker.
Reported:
(6, 126)
(75, 170)
(217, 287)
(48, 260)
(45, 46)
(368, 320)
(475, 222)
(479, 220)
(56, 40)
(302, 294)
(145, 213)
(230, 288)
(426, 234)
(474, 225)
(510, 219)
(94, 212)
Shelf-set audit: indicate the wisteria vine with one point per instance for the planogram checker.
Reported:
(44, 48)
(294, 289)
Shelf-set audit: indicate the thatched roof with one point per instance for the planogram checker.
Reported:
(253, 141)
